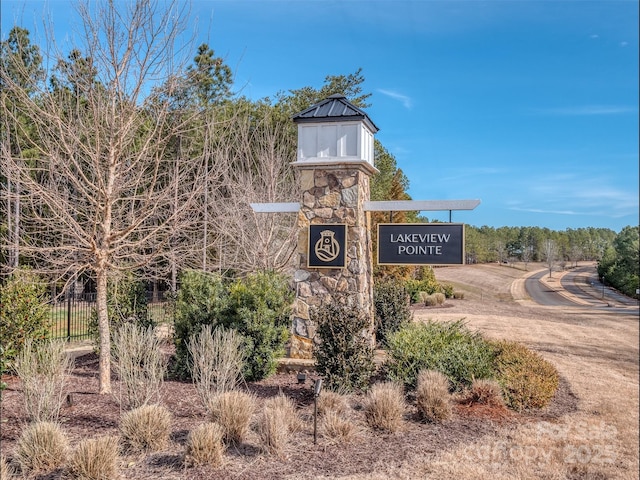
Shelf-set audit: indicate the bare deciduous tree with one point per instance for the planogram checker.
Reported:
(105, 194)
(550, 254)
(257, 151)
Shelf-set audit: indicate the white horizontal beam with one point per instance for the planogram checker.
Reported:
(290, 207)
(420, 205)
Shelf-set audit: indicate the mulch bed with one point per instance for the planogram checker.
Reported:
(89, 415)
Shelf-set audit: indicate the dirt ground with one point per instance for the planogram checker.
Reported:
(589, 431)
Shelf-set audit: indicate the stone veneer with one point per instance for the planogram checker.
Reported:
(332, 194)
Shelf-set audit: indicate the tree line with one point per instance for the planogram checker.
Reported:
(531, 244)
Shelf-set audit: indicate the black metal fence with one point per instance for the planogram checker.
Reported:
(71, 315)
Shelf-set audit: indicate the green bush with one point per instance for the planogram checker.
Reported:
(527, 380)
(424, 281)
(391, 301)
(344, 356)
(256, 306)
(449, 347)
(447, 289)
(259, 309)
(200, 301)
(24, 314)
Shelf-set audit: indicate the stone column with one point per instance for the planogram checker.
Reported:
(332, 194)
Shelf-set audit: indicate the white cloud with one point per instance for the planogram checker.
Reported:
(586, 110)
(574, 194)
(540, 210)
(405, 100)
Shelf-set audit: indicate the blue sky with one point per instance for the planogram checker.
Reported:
(531, 107)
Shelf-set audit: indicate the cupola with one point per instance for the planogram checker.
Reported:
(334, 130)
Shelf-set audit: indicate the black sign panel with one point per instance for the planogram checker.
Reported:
(420, 244)
(327, 245)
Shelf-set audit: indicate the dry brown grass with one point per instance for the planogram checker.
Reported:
(384, 406)
(205, 446)
(283, 402)
(6, 470)
(432, 396)
(332, 401)
(44, 369)
(233, 411)
(274, 428)
(146, 428)
(95, 459)
(217, 359)
(140, 364)
(486, 392)
(42, 447)
(338, 428)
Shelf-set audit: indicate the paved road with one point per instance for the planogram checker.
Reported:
(578, 287)
(542, 294)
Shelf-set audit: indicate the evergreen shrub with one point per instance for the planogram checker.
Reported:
(200, 301)
(449, 347)
(392, 310)
(424, 281)
(447, 289)
(344, 354)
(257, 307)
(24, 314)
(528, 381)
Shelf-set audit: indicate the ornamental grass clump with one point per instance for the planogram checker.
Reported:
(274, 428)
(528, 381)
(337, 427)
(42, 447)
(205, 446)
(146, 428)
(233, 411)
(330, 401)
(6, 470)
(486, 392)
(140, 364)
(384, 406)
(44, 369)
(286, 404)
(433, 399)
(95, 459)
(216, 360)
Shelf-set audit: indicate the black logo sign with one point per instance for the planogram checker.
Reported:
(327, 244)
(420, 244)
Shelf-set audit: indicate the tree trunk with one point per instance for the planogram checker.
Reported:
(103, 329)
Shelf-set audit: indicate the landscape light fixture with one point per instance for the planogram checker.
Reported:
(317, 388)
(302, 377)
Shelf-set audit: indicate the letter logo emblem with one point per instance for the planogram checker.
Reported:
(327, 247)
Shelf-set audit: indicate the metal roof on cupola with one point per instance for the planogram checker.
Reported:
(335, 108)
